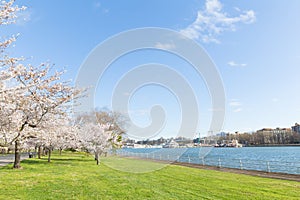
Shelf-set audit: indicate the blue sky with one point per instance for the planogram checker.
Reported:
(254, 44)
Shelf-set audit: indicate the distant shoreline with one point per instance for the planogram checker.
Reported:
(274, 145)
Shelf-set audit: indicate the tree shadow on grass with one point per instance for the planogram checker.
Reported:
(71, 159)
(57, 161)
(6, 167)
(34, 162)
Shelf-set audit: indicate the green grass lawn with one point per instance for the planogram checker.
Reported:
(76, 176)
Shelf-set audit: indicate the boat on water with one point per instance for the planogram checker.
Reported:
(233, 143)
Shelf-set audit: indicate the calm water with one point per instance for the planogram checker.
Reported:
(272, 159)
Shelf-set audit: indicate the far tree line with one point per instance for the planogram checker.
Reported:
(264, 138)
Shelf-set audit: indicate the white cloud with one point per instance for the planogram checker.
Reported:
(213, 21)
(215, 110)
(105, 10)
(23, 17)
(97, 4)
(126, 94)
(235, 64)
(141, 112)
(275, 100)
(165, 46)
(235, 103)
(237, 110)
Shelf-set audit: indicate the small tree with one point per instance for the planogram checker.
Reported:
(100, 131)
(95, 139)
(115, 123)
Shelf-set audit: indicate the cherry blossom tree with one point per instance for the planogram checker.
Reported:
(55, 132)
(34, 102)
(97, 138)
(8, 14)
(38, 94)
(28, 93)
(94, 139)
(115, 123)
(66, 138)
(58, 133)
(100, 131)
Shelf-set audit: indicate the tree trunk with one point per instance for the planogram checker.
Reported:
(49, 154)
(39, 152)
(35, 151)
(17, 163)
(97, 158)
(45, 152)
(60, 150)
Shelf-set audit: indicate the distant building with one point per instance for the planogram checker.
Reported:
(221, 134)
(128, 143)
(140, 146)
(274, 131)
(171, 144)
(296, 128)
(273, 136)
(182, 141)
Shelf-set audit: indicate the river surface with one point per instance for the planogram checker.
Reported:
(270, 159)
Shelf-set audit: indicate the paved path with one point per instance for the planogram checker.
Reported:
(282, 176)
(9, 158)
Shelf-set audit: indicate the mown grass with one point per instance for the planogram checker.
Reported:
(76, 176)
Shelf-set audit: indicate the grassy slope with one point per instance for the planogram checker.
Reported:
(75, 176)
